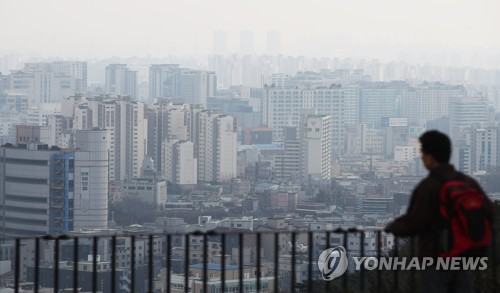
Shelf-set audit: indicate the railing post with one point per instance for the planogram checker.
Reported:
(276, 261)
(258, 261)
(17, 270)
(132, 263)
(223, 262)
(186, 265)
(293, 261)
(56, 265)
(205, 263)
(37, 264)
(75, 264)
(151, 264)
(379, 254)
(240, 256)
(310, 261)
(113, 264)
(168, 271)
(94, 264)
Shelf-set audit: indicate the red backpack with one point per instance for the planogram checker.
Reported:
(463, 210)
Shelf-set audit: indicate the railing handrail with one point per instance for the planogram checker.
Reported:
(87, 234)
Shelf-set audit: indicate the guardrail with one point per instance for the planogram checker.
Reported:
(268, 261)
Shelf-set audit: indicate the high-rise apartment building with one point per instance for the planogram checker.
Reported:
(164, 81)
(379, 100)
(428, 101)
(166, 120)
(465, 112)
(47, 82)
(120, 80)
(484, 148)
(281, 107)
(197, 86)
(125, 120)
(190, 86)
(76, 69)
(217, 146)
(179, 163)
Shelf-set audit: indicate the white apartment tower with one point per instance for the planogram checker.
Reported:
(125, 119)
(179, 163)
(216, 146)
(484, 148)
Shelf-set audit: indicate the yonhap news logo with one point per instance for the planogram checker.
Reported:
(333, 263)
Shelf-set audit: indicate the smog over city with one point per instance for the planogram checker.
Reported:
(249, 146)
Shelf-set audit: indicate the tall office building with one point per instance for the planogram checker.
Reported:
(219, 42)
(246, 42)
(217, 146)
(54, 191)
(316, 148)
(121, 81)
(273, 43)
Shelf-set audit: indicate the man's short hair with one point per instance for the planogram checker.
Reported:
(436, 144)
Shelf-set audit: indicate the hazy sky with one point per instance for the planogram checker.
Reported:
(384, 28)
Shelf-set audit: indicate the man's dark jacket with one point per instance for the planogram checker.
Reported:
(422, 218)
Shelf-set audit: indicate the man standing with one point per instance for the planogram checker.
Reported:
(424, 218)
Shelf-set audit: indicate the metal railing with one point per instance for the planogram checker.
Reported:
(266, 261)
